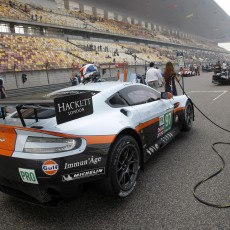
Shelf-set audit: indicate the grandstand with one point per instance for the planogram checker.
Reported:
(50, 44)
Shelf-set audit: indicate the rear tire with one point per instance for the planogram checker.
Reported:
(188, 116)
(123, 168)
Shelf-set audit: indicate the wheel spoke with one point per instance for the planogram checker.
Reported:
(126, 154)
(121, 178)
(132, 162)
(131, 171)
(131, 156)
(119, 169)
(121, 163)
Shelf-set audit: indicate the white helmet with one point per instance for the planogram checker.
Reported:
(88, 70)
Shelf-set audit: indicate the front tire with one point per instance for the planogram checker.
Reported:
(124, 164)
(188, 116)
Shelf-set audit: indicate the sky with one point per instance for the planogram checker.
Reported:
(226, 7)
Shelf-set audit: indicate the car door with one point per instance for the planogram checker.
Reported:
(156, 114)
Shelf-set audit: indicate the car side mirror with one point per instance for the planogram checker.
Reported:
(166, 95)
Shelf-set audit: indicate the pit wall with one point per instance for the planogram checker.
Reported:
(13, 80)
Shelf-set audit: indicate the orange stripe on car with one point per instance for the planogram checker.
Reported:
(100, 139)
(7, 140)
(146, 124)
(8, 135)
(150, 122)
(178, 109)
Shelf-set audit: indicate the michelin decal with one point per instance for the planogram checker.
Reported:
(83, 174)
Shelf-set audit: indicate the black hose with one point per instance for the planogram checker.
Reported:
(214, 123)
(211, 176)
(221, 158)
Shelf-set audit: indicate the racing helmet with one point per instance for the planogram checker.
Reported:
(88, 70)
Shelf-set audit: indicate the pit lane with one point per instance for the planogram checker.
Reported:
(163, 196)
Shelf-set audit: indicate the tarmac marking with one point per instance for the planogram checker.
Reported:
(222, 93)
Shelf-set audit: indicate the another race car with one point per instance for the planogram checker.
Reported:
(186, 72)
(221, 77)
(207, 68)
(98, 133)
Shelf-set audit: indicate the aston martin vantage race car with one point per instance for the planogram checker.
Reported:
(98, 133)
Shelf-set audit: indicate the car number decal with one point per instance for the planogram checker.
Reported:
(166, 120)
(28, 175)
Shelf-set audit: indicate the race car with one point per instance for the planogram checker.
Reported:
(207, 68)
(221, 77)
(98, 133)
(185, 72)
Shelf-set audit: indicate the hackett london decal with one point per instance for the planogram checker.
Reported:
(73, 107)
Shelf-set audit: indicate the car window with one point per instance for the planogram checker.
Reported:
(117, 101)
(139, 94)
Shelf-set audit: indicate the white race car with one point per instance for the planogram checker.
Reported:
(185, 72)
(98, 133)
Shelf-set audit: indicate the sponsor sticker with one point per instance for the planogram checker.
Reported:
(166, 120)
(83, 174)
(28, 175)
(161, 120)
(152, 149)
(160, 131)
(163, 140)
(90, 161)
(50, 167)
(72, 107)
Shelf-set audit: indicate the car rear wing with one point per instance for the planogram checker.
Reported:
(21, 104)
(66, 108)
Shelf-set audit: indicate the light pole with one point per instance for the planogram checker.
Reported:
(47, 74)
(16, 81)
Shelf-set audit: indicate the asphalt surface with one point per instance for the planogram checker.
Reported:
(163, 197)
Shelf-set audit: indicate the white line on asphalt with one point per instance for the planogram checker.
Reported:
(207, 91)
(222, 93)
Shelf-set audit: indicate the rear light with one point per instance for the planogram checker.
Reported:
(50, 145)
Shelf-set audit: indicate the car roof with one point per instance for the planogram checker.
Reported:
(99, 86)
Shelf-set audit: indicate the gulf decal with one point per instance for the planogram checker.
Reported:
(50, 167)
